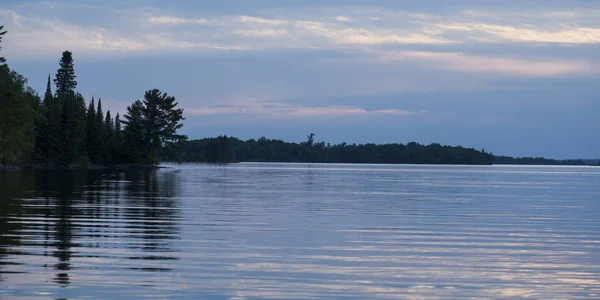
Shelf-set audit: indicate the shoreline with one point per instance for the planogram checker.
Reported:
(5, 168)
(8, 168)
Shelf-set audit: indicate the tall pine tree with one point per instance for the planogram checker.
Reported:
(93, 140)
(48, 97)
(42, 126)
(101, 132)
(152, 125)
(65, 78)
(69, 107)
(2, 59)
(133, 135)
(118, 141)
(110, 138)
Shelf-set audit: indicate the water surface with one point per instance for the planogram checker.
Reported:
(298, 231)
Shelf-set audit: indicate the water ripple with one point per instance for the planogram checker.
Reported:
(297, 231)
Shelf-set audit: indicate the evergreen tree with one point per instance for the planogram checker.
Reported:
(133, 134)
(73, 130)
(92, 138)
(101, 133)
(17, 132)
(48, 97)
(118, 141)
(67, 115)
(62, 113)
(152, 125)
(2, 59)
(53, 134)
(81, 129)
(110, 138)
(162, 121)
(65, 77)
(41, 125)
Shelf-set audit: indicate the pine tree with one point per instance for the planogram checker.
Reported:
(62, 113)
(70, 108)
(118, 142)
(48, 97)
(101, 133)
(65, 77)
(92, 137)
(133, 134)
(152, 125)
(2, 59)
(110, 138)
(53, 135)
(81, 149)
(69, 126)
(41, 125)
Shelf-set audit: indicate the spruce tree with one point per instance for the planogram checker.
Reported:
(70, 110)
(53, 134)
(101, 133)
(133, 134)
(62, 113)
(69, 120)
(118, 141)
(48, 97)
(110, 142)
(92, 137)
(41, 125)
(81, 149)
(65, 78)
(109, 127)
(2, 59)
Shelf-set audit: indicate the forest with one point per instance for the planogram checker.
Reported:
(507, 160)
(62, 129)
(230, 149)
(225, 149)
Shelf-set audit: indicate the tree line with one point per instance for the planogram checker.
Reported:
(225, 149)
(507, 160)
(63, 130)
(230, 149)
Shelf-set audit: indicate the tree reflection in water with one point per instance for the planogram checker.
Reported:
(66, 213)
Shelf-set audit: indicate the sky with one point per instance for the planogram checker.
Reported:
(519, 78)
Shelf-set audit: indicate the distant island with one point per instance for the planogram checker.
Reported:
(225, 149)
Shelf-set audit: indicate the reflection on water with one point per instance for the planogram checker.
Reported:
(250, 231)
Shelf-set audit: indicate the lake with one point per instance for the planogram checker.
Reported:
(297, 231)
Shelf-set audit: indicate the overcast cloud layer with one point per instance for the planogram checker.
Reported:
(516, 78)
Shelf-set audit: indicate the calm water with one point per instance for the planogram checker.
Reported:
(265, 231)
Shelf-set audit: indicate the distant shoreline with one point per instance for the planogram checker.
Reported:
(4, 168)
(225, 149)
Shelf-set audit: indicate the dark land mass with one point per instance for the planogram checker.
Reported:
(506, 160)
(225, 149)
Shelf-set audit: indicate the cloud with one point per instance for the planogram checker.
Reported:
(378, 33)
(309, 28)
(278, 109)
(177, 20)
(490, 64)
(259, 20)
(343, 19)
(497, 33)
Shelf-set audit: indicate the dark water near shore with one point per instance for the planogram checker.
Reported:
(295, 231)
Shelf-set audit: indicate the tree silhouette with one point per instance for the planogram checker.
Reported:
(2, 33)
